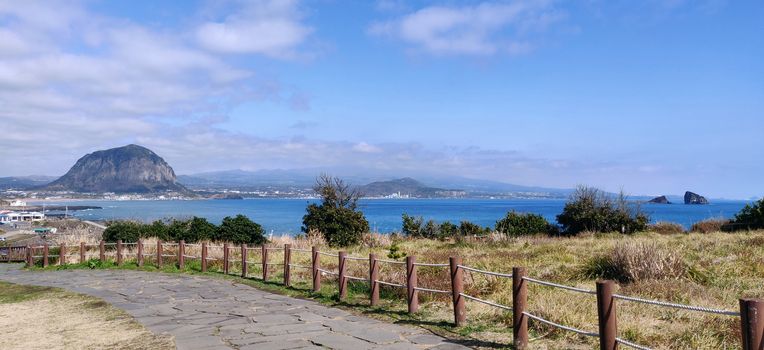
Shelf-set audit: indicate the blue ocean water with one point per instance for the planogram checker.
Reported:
(285, 215)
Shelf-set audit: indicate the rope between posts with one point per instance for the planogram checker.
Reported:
(508, 275)
(300, 266)
(189, 256)
(164, 255)
(550, 284)
(356, 278)
(328, 272)
(431, 265)
(327, 254)
(389, 284)
(274, 264)
(632, 345)
(432, 290)
(355, 258)
(301, 250)
(272, 248)
(677, 306)
(486, 302)
(571, 329)
(392, 261)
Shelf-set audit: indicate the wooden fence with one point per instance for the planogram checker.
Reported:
(751, 311)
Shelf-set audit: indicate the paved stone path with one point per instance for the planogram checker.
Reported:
(207, 313)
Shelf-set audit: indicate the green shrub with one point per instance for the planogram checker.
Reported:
(412, 226)
(751, 217)
(518, 224)
(127, 231)
(337, 218)
(467, 228)
(590, 209)
(156, 229)
(447, 230)
(193, 230)
(240, 229)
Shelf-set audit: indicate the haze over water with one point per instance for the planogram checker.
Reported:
(281, 216)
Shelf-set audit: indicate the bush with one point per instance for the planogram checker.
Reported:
(467, 228)
(447, 230)
(239, 229)
(590, 209)
(751, 217)
(517, 224)
(709, 225)
(127, 231)
(666, 228)
(156, 229)
(413, 227)
(634, 262)
(337, 218)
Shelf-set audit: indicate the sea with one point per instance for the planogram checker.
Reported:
(284, 216)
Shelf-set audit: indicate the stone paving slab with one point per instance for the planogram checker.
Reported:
(208, 313)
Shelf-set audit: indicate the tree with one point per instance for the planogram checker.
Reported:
(240, 229)
(519, 224)
(590, 209)
(127, 231)
(156, 229)
(751, 217)
(337, 218)
(412, 226)
(467, 228)
(193, 230)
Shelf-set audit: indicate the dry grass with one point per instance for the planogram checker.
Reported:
(708, 226)
(637, 261)
(50, 318)
(666, 228)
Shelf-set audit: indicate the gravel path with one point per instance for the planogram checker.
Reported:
(208, 313)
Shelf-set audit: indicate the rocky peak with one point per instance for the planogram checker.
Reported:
(694, 198)
(659, 200)
(127, 169)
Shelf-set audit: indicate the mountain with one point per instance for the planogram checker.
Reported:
(24, 182)
(406, 187)
(128, 169)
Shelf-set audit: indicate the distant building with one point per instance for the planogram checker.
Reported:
(20, 216)
(18, 203)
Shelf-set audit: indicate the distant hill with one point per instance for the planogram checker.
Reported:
(128, 169)
(407, 187)
(24, 182)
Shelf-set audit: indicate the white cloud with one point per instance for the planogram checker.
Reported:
(273, 28)
(484, 29)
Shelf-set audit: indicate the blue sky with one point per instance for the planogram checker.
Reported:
(655, 97)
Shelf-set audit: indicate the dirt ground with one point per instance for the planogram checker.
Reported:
(49, 318)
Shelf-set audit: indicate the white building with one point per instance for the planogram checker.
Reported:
(19, 216)
(18, 203)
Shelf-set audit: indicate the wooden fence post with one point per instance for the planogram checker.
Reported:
(204, 257)
(102, 251)
(181, 253)
(606, 314)
(411, 284)
(265, 262)
(315, 265)
(139, 253)
(519, 299)
(342, 269)
(244, 260)
(45, 255)
(30, 256)
(752, 323)
(287, 261)
(159, 253)
(457, 288)
(373, 278)
(62, 254)
(82, 252)
(225, 258)
(119, 252)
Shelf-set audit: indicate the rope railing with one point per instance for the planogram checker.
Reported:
(392, 261)
(631, 345)
(486, 302)
(432, 290)
(301, 250)
(431, 265)
(328, 272)
(390, 284)
(677, 306)
(507, 275)
(356, 258)
(353, 278)
(328, 254)
(561, 286)
(273, 248)
(557, 325)
(300, 266)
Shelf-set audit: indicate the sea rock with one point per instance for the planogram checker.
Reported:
(659, 200)
(694, 198)
(128, 169)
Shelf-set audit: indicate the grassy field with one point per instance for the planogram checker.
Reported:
(34, 317)
(711, 270)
